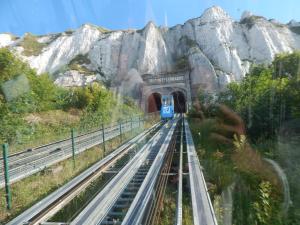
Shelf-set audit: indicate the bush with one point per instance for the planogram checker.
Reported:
(95, 103)
(31, 45)
(261, 96)
(182, 63)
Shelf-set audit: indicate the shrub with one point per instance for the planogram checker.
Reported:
(31, 45)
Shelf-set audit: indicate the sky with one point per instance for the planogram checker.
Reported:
(51, 16)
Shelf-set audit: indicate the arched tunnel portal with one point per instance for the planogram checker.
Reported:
(154, 102)
(179, 102)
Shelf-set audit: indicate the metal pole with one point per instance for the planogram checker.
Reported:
(6, 176)
(73, 145)
(120, 131)
(103, 139)
(131, 125)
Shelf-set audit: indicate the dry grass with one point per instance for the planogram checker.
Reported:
(45, 127)
(54, 117)
(31, 45)
(250, 161)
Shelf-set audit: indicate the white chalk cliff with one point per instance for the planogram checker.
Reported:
(217, 49)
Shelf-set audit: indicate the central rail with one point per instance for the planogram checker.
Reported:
(203, 212)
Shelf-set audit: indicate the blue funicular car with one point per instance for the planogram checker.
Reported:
(167, 108)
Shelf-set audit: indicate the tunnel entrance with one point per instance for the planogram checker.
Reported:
(179, 102)
(154, 102)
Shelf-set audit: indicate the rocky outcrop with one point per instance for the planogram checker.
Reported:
(74, 78)
(5, 40)
(217, 49)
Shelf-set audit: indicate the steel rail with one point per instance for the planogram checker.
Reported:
(96, 211)
(203, 213)
(58, 197)
(152, 215)
(179, 187)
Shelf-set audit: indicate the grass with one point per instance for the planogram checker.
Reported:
(182, 63)
(81, 59)
(31, 46)
(78, 63)
(103, 30)
(30, 190)
(187, 211)
(250, 21)
(81, 69)
(168, 211)
(45, 127)
(187, 41)
(69, 32)
(243, 166)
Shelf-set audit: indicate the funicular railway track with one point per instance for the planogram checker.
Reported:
(135, 189)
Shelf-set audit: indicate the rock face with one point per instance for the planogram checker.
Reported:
(217, 49)
(5, 40)
(74, 78)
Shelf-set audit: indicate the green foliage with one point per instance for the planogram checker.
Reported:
(206, 101)
(267, 96)
(95, 102)
(214, 157)
(69, 32)
(250, 21)
(10, 67)
(263, 206)
(15, 87)
(10, 125)
(81, 59)
(244, 194)
(31, 45)
(78, 64)
(218, 172)
(169, 206)
(103, 29)
(187, 41)
(295, 30)
(182, 63)
(287, 65)
(266, 99)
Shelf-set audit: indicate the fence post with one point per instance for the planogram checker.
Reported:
(73, 145)
(6, 176)
(103, 139)
(120, 124)
(131, 125)
(139, 121)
